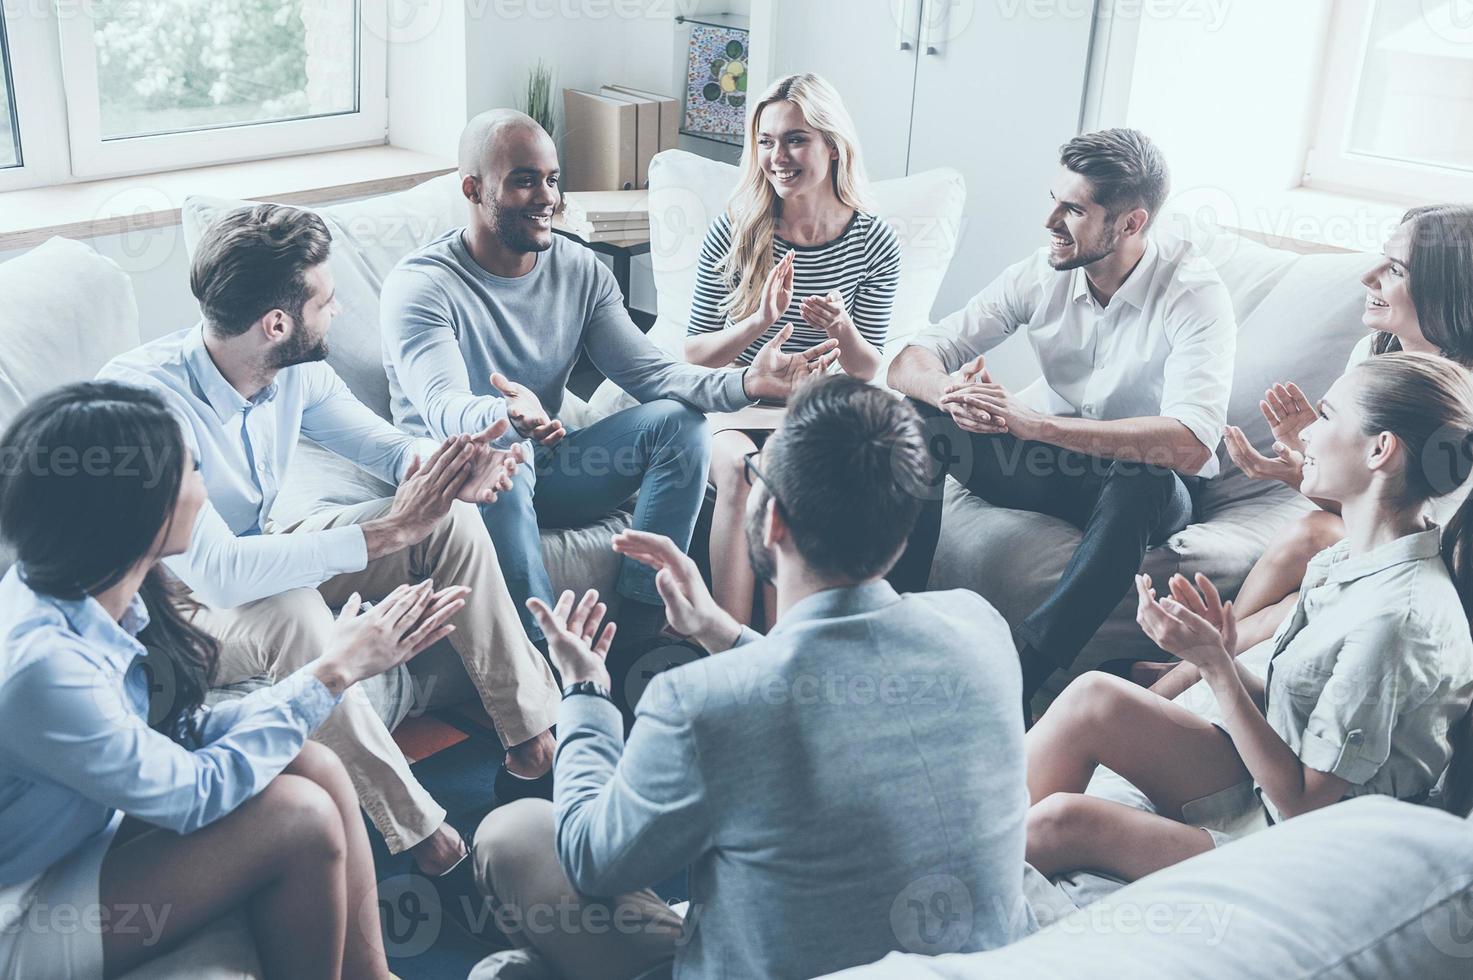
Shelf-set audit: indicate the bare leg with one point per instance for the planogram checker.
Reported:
(1167, 752)
(281, 855)
(1073, 832)
(1277, 574)
(732, 579)
(363, 954)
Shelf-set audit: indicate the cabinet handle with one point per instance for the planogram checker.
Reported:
(907, 18)
(934, 21)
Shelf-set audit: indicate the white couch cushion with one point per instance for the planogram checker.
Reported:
(67, 312)
(1363, 890)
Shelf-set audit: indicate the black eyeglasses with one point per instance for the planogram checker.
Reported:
(752, 474)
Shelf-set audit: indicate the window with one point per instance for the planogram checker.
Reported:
(9, 127)
(1397, 116)
(113, 87)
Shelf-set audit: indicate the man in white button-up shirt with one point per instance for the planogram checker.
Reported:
(1136, 341)
(245, 384)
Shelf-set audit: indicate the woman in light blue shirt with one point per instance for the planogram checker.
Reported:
(1369, 681)
(101, 684)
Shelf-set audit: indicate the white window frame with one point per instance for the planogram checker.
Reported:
(1329, 163)
(54, 72)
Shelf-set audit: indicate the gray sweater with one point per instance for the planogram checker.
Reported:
(447, 324)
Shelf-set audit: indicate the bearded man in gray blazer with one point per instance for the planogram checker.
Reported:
(849, 785)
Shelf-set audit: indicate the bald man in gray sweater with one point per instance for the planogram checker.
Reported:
(488, 322)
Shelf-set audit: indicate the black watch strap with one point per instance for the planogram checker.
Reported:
(593, 688)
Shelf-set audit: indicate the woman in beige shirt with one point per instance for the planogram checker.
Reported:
(1371, 676)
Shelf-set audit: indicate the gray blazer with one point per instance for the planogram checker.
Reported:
(850, 785)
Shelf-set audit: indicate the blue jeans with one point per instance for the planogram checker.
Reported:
(661, 450)
(1122, 508)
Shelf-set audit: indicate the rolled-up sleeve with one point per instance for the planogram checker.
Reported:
(420, 342)
(1350, 729)
(989, 318)
(71, 720)
(1198, 374)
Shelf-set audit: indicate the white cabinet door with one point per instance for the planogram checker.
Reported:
(856, 45)
(999, 86)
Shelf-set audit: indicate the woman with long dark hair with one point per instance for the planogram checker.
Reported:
(1419, 298)
(1371, 677)
(101, 684)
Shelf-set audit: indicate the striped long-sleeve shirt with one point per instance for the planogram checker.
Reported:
(863, 264)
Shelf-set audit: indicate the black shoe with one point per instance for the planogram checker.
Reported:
(509, 788)
(464, 907)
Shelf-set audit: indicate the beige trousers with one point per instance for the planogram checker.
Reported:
(275, 636)
(536, 906)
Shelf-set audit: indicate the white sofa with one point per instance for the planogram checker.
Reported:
(1369, 889)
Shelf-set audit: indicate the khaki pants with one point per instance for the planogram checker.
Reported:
(275, 636)
(536, 906)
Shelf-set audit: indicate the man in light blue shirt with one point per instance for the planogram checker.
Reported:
(852, 783)
(245, 384)
(487, 323)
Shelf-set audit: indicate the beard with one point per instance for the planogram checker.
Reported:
(299, 348)
(763, 564)
(511, 232)
(1089, 252)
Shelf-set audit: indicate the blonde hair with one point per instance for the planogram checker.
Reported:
(754, 206)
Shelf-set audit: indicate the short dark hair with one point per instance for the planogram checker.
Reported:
(255, 260)
(847, 468)
(1124, 168)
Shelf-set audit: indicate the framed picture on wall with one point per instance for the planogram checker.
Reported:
(716, 81)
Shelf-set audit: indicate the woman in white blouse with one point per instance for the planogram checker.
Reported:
(226, 808)
(1370, 680)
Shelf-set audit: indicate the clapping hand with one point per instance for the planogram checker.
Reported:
(492, 469)
(527, 415)
(1286, 466)
(1199, 628)
(1288, 414)
(577, 648)
(827, 313)
(410, 619)
(776, 374)
(689, 607)
(777, 293)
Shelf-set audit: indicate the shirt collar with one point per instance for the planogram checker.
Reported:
(1418, 546)
(211, 384)
(1133, 290)
(850, 600)
(117, 639)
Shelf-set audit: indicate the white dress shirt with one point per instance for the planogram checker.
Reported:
(244, 447)
(1163, 347)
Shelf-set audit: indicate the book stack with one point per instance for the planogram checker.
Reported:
(610, 137)
(607, 216)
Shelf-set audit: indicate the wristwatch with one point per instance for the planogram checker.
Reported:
(593, 688)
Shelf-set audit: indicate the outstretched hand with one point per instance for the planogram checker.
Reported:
(775, 374)
(574, 642)
(1288, 414)
(526, 413)
(689, 607)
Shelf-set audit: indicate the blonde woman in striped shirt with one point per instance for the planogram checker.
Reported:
(798, 256)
